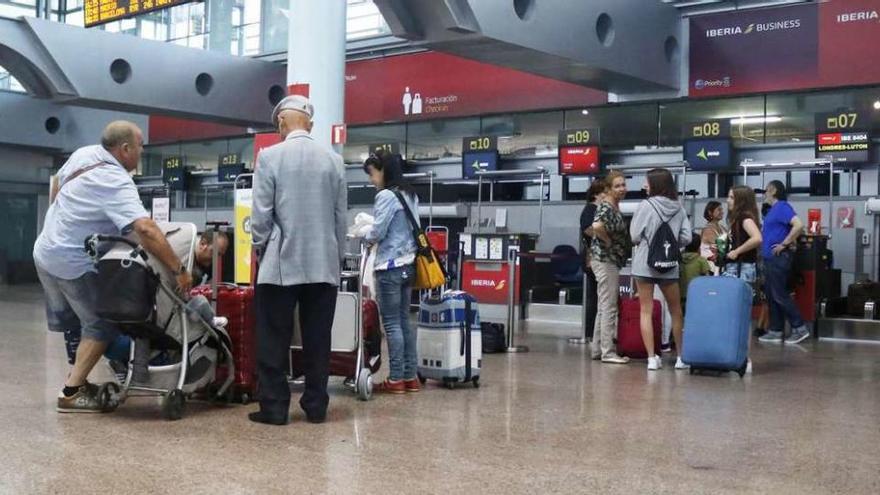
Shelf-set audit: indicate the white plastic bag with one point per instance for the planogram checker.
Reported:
(363, 224)
(369, 281)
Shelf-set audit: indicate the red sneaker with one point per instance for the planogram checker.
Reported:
(412, 385)
(391, 387)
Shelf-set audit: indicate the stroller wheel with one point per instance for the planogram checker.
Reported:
(365, 385)
(108, 395)
(476, 382)
(422, 379)
(245, 398)
(173, 405)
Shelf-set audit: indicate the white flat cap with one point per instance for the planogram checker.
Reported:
(297, 103)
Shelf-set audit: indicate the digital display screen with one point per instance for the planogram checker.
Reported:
(707, 154)
(103, 11)
(579, 160)
(844, 146)
(484, 160)
(228, 173)
(174, 173)
(843, 136)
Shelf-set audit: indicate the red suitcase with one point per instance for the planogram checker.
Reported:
(629, 333)
(236, 303)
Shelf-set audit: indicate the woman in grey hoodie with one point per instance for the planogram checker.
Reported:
(661, 206)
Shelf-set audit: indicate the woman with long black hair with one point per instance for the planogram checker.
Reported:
(394, 267)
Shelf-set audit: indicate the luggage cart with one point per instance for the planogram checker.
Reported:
(350, 354)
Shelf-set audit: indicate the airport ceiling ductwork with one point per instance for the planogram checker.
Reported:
(621, 46)
(103, 70)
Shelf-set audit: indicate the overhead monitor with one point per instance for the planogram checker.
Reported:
(843, 136)
(579, 160)
(478, 160)
(708, 155)
(103, 11)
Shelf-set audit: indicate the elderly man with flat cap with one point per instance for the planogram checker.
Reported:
(298, 226)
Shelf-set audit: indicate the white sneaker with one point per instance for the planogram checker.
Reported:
(749, 367)
(654, 363)
(681, 365)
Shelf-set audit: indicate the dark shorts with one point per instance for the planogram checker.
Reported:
(656, 281)
(70, 306)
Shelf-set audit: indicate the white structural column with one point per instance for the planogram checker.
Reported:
(316, 56)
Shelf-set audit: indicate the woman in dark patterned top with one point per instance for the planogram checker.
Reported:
(609, 254)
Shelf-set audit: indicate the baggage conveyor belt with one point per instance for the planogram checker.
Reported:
(834, 324)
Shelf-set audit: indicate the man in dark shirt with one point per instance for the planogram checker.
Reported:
(588, 215)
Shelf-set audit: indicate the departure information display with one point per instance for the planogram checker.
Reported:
(579, 160)
(174, 173)
(843, 136)
(478, 160)
(104, 11)
(707, 154)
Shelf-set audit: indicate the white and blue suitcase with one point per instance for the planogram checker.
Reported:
(449, 339)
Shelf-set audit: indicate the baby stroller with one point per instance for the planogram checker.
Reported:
(178, 342)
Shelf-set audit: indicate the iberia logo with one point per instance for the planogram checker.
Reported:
(501, 285)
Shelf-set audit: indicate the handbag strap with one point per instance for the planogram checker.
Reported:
(409, 214)
(80, 172)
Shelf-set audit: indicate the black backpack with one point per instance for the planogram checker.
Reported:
(663, 252)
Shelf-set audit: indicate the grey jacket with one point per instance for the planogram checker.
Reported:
(645, 224)
(298, 221)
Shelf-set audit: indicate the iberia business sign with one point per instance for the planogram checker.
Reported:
(434, 85)
(834, 43)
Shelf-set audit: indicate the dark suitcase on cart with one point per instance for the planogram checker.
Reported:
(236, 303)
(858, 294)
(629, 330)
(716, 325)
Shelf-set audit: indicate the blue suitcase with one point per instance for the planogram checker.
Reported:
(716, 324)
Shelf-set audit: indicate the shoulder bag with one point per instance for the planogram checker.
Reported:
(430, 274)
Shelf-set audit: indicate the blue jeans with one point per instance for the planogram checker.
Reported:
(393, 291)
(782, 306)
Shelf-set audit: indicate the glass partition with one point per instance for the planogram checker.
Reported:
(439, 138)
(357, 147)
(620, 126)
(525, 134)
(745, 115)
(796, 112)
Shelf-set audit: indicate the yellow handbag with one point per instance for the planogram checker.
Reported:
(430, 273)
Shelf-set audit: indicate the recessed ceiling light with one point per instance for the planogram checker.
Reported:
(877, 105)
(587, 112)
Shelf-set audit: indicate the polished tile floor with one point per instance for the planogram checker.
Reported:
(549, 421)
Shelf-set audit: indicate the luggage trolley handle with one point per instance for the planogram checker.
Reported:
(215, 265)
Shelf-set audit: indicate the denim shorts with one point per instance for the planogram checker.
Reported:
(749, 271)
(70, 306)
